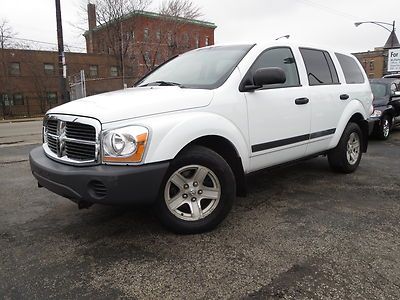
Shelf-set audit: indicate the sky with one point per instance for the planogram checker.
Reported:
(323, 22)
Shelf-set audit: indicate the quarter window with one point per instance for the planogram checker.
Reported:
(351, 70)
(319, 66)
(280, 58)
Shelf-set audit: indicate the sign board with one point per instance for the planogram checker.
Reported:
(394, 60)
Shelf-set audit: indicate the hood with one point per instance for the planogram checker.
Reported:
(136, 102)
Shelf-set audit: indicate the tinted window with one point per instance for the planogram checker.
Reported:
(281, 58)
(319, 66)
(352, 72)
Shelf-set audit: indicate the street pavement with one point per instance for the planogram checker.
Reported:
(303, 232)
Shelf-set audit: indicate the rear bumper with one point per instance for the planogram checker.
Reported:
(119, 185)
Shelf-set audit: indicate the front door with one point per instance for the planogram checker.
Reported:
(279, 115)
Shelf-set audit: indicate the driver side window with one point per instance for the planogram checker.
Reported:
(281, 58)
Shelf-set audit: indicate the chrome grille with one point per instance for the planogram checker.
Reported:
(52, 126)
(71, 139)
(80, 131)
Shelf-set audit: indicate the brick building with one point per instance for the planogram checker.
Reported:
(29, 78)
(375, 62)
(142, 40)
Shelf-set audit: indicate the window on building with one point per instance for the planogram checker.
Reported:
(7, 100)
(113, 71)
(281, 58)
(14, 69)
(320, 68)
(52, 97)
(146, 34)
(352, 72)
(49, 69)
(207, 41)
(158, 35)
(197, 42)
(18, 99)
(147, 58)
(93, 71)
(132, 35)
(186, 39)
(159, 58)
(371, 65)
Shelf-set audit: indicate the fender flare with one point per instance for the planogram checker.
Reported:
(201, 124)
(352, 109)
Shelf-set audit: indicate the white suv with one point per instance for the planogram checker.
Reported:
(185, 137)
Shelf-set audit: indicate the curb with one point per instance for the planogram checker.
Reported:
(21, 120)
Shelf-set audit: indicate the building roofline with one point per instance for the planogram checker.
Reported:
(156, 16)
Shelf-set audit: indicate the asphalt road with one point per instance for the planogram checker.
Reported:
(302, 232)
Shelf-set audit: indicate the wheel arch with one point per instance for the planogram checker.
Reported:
(228, 151)
(355, 113)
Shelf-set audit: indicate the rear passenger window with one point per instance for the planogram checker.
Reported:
(319, 66)
(351, 70)
(281, 58)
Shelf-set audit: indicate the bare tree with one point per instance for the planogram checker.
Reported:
(175, 15)
(110, 14)
(6, 34)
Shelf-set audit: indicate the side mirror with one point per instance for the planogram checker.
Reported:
(265, 76)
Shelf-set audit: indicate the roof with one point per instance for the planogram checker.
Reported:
(154, 15)
(392, 41)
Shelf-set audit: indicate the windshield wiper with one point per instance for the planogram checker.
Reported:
(163, 83)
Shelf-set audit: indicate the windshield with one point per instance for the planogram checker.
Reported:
(379, 90)
(206, 68)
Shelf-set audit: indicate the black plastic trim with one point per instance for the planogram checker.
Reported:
(292, 140)
(123, 185)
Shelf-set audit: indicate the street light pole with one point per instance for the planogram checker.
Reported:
(391, 27)
(62, 68)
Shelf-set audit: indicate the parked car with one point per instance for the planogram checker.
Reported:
(187, 135)
(386, 105)
(396, 75)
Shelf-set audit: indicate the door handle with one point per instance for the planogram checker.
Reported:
(301, 101)
(344, 97)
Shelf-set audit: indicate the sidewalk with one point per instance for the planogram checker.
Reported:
(21, 120)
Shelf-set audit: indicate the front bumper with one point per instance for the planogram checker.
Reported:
(119, 185)
(373, 123)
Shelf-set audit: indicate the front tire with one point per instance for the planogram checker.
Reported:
(346, 157)
(383, 131)
(197, 193)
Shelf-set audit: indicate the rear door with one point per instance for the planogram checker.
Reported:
(327, 96)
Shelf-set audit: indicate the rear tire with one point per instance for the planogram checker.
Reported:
(346, 157)
(197, 193)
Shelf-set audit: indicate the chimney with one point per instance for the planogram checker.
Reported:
(91, 9)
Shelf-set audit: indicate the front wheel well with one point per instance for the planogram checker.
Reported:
(363, 124)
(227, 150)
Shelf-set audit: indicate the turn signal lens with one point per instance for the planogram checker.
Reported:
(125, 145)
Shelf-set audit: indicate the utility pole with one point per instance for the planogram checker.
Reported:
(62, 68)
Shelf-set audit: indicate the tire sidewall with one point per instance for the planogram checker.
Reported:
(202, 156)
(351, 128)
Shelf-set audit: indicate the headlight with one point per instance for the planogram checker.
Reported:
(125, 145)
(376, 114)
